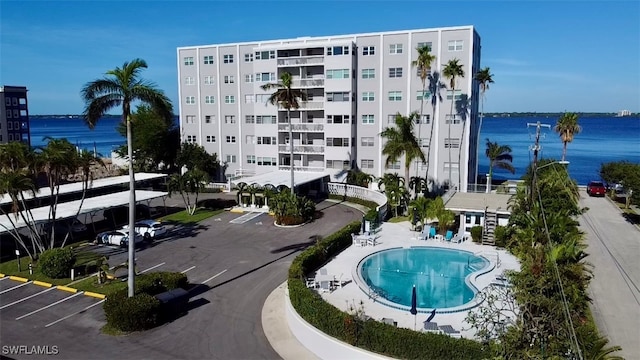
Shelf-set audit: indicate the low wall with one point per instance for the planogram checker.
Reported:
(359, 192)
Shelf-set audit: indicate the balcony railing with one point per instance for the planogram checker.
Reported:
(306, 149)
(301, 168)
(311, 60)
(302, 127)
(308, 105)
(308, 83)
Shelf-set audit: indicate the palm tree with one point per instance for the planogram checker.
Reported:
(499, 157)
(287, 98)
(484, 77)
(402, 140)
(423, 63)
(567, 127)
(435, 87)
(421, 208)
(393, 186)
(418, 185)
(452, 71)
(121, 87)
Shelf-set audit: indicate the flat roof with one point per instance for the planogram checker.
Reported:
(478, 202)
(77, 186)
(282, 177)
(70, 209)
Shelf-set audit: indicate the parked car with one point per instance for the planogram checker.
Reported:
(596, 188)
(149, 229)
(117, 237)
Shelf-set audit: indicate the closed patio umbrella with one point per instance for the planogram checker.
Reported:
(414, 307)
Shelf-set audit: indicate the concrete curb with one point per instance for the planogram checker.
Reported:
(66, 288)
(42, 283)
(95, 295)
(18, 278)
(2, 275)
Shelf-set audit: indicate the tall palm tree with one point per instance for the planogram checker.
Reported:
(121, 87)
(452, 71)
(484, 77)
(499, 157)
(567, 127)
(402, 140)
(287, 98)
(435, 88)
(423, 63)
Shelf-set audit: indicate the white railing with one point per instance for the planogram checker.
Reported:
(301, 61)
(308, 83)
(315, 149)
(358, 192)
(302, 127)
(301, 168)
(225, 187)
(308, 105)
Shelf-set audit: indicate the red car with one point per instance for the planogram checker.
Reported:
(596, 188)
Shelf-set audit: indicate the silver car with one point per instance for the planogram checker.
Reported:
(149, 229)
(117, 237)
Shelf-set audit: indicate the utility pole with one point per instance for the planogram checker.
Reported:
(536, 148)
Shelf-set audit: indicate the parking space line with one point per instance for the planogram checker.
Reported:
(75, 313)
(27, 298)
(215, 276)
(2, 277)
(48, 306)
(189, 269)
(151, 268)
(15, 287)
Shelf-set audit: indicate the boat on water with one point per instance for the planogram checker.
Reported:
(622, 113)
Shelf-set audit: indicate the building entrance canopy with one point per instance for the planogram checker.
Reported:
(281, 178)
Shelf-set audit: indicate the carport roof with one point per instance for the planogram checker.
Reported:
(70, 209)
(77, 186)
(477, 202)
(280, 177)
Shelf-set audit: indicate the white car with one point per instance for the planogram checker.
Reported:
(117, 237)
(149, 229)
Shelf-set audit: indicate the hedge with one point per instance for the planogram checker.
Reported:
(57, 263)
(368, 203)
(366, 334)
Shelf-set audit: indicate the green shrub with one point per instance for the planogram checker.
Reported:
(476, 233)
(158, 282)
(290, 209)
(500, 234)
(57, 263)
(367, 203)
(136, 313)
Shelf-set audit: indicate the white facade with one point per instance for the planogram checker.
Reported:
(355, 84)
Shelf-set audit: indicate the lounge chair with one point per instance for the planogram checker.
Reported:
(449, 330)
(432, 232)
(431, 327)
(312, 283)
(448, 236)
(424, 235)
(326, 286)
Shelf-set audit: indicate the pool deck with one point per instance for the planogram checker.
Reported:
(395, 235)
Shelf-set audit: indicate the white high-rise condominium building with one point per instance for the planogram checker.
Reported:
(355, 86)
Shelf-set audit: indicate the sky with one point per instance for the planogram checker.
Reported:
(545, 56)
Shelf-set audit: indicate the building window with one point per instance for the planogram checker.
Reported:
(250, 139)
(9, 125)
(16, 115)
(338, 164)
(188, 60)
(231, 159)
(265, 119)
(229, 119)
(368, 96)
(208, 80)
(209, 119)
(423, 44)
(191, 139)
(366, 164)
(209, 99)
(267, 140)
(262, 98)
(424, 142)
(231, 139)
(251, 159)
(208, 59)
(248, 78)
(419, 71)
(190, 100)
(211, 138)
(267, 161)
(395, 72)
(391, 119)
(249, 119)
(394, 165)
(455, 45)
(9, 113)
(264, 77)
(395, 49)
(338, 142)
(420, 95)
(338, 50)
(265, 55)
(366, 141)
(368, 50)
(368, 119)
(227, 59)
(229, 79)
(451, 143)
(248, 57)
(338, 119)
(395, 96)
(338, 96)
(190, 119)
(458, 94)
(368, 73)
(229, 99)
(249, 98)
(456, 119)
(338, 74)
(426, 119)
(8, 101)
(189, 80)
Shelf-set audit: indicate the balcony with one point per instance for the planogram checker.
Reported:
(308, 105)
(303, 60)
(306, 83)
(302, 149)
(302, 127)
(301, 168)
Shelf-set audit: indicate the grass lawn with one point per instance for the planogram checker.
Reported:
(183, 217)
(398, 219)
(91, 284)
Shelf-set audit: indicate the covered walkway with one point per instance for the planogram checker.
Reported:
(282, 178)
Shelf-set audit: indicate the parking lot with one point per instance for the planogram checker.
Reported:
(237, 262)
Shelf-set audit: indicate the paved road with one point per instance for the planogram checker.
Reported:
(614, 250)
(240, 263)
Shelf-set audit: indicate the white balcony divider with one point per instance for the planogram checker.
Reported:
(358, 192)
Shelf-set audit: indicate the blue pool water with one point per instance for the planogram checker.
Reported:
(438, 274)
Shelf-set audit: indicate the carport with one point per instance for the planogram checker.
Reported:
(306, 182)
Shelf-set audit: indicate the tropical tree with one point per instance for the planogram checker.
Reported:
(435, 90)
(437, 210)
(290, 209)
(193, 156)
(392, 186)
(567, 127)
(190, 183)
(423, 64)
(484, 77)
(289, 99)
(401, 140)
(418, 185)
(452, 71)
(120, 88)
(420, 207)
(357, 177)
(499, 157)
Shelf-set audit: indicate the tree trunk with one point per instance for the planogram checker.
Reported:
(291, 149)
(564, 150)
(453, 100)
(478, 140)
(132, 211)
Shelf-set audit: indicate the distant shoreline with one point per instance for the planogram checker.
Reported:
(492, 114)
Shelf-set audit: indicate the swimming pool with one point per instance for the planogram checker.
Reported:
(439, 275)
